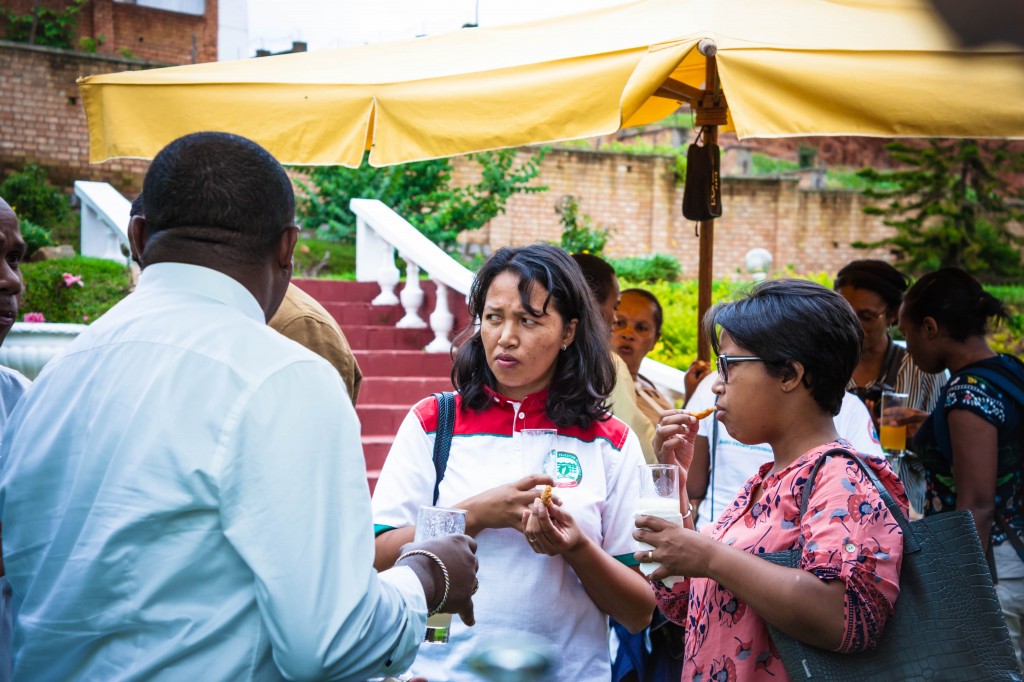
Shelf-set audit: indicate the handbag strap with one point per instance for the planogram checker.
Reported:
(910, 543)
(443, 436)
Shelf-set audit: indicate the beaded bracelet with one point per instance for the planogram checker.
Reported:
(444, 571)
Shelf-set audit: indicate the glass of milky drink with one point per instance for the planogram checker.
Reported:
(435, 522)
(659, 496)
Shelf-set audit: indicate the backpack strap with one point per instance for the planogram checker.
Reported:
(443, 436)
(1011, 384)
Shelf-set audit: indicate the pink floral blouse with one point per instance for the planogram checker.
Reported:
(846, 534)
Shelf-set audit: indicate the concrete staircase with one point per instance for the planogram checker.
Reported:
(397, 372)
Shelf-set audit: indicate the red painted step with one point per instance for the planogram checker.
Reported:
(397, 372)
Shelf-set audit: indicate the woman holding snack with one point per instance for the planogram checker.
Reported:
(781, 388)
(539, 358)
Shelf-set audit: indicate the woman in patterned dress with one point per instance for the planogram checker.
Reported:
(785, 353)
(971, 445)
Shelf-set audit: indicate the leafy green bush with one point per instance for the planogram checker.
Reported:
(33, 198)
(34, 236)
(63, 299)
(325, 259)
(654, 268)
(578, 233)
(52, 27)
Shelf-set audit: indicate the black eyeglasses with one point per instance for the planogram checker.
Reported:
(724, 360)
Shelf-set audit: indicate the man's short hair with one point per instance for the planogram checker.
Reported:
(220, 191)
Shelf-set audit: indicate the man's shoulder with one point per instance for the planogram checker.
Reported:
(298, 305)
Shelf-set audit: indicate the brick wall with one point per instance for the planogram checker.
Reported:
(42, 120)
(638, 200)
(151, 34)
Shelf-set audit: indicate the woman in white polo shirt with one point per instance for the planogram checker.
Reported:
(538, 359)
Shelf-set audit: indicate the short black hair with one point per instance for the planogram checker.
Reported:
(877, 276)
(955, 300)
(584, 373)
(218, 191)
(598, 273)
(659, 315)
(787, 320)
(138, 207)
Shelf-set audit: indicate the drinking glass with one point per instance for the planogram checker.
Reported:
(892, 435)
(435, 522)
(538, 450)
(659, 496)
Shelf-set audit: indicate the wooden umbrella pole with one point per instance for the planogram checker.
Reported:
(705, 266)
(711, 112)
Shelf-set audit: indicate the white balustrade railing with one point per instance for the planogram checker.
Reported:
(380, 233)
(105, 215)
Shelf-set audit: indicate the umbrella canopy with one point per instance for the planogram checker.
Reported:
(786, 67)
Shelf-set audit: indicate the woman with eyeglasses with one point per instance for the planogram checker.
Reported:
(785, 352)
(874, 289)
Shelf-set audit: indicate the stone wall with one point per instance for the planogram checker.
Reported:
(638, 199)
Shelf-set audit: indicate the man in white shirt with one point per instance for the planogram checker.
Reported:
(183, 491)
(12, 383)
(716, 483)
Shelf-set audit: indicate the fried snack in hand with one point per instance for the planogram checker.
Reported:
(545, 496)
(703, 413)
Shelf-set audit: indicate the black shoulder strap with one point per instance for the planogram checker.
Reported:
(443, 436)
(910, 543)
(1012, 384)
(891, 365)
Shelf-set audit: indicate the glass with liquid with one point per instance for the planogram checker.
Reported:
(434, 522)
(659, 496)
(893, 436)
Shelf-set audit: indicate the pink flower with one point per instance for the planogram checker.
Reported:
(34, 317)
(85, 318)
(71, 280)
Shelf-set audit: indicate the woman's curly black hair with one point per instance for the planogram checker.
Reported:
(584, 374)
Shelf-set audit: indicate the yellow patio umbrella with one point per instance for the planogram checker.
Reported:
(766, 69)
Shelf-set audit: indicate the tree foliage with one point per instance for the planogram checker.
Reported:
(951, 206)
(421, 192)
(43, 25)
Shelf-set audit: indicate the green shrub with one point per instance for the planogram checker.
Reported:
(34, 236)
(104, 283)
(326, 259)
(578, 233)
(654, 268)
(33, 198)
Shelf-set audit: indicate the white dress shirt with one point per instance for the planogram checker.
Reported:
(184, 498)
(12, 387)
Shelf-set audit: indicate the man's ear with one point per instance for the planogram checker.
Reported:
(286, 247)
(930, 327)
(138, 235)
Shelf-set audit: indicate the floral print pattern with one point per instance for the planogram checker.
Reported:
(847, 534)
(974, 394)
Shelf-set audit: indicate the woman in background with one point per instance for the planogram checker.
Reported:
(971, 445)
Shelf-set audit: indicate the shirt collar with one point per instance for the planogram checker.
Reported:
(532, 403)
(201, 281)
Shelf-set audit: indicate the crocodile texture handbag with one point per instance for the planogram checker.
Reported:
(946, 624)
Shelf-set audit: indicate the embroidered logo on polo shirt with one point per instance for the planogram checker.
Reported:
(568, 472)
